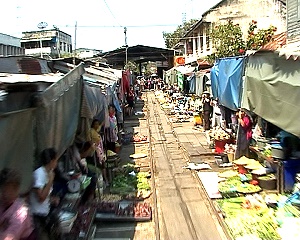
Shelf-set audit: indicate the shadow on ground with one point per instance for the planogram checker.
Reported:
(123, 230)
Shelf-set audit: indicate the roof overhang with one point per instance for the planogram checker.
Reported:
(36, 39)
(138, 54)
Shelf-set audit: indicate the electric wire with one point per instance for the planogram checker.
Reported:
(112, 13)
(130, 26)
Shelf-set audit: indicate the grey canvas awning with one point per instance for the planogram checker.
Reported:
(272, 89)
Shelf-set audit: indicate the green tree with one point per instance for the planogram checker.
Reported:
(228, 39)
(132, 66)
(172, 38)
(259, 37)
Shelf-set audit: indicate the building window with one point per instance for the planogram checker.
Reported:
(207, 38)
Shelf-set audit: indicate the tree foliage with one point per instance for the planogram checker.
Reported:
(259, 37)
(228, 39)
(132, 66)
(172, 38)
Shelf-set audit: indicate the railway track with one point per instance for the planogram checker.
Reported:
(181, 209)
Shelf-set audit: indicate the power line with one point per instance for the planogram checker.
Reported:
(132, 26)
(112, 13)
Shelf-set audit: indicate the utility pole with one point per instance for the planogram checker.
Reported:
(41, 26)
(74, 55)
(57, 40)
(126, 48)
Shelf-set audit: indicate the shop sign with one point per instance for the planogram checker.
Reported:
(179, 60)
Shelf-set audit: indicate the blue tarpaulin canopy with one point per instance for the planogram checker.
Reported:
(226, 81)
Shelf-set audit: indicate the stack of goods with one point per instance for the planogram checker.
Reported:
(112, 159)
(230, 150)
(247, 164)
(218, 133)
(220, 138)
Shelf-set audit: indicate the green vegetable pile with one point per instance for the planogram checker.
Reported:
(142, 181)
(243, 222)
(267, 152)
(261, 224)
(127, 183)
(123, 184)
(248, 188)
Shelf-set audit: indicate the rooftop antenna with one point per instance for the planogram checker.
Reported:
(183, 17)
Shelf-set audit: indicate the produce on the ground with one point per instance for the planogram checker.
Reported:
(142, 181)
(267, 151)
(248, 188)
(137, 210)
(267, 177)
(257, 221)
(244, 161)
(138, 155)
(226, 187)
(218, 133)
(288, 210)
(228, 174)
(111, 198)
(107, 207)
(110, 153)
(123, 184)
(126, 169)
(139, 138)
(230, 148)
(131, 184)
(261, 224)
(254, 166)
(142, 194)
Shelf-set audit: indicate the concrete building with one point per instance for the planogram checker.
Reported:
(87, 53)
(10, 45)
(55, 43)
(197, 42)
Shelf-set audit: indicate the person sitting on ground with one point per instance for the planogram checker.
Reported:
(97, 142)
(74, 160)
(15, 220)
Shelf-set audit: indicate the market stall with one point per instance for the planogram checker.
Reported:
(272, 94)
(249, 203)
(126, 198)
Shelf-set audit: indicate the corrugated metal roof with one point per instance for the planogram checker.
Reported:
(24, 64)
(279, 45)
(26, 78)
(278, 41)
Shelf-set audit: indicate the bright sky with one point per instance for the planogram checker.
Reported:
(100, 23)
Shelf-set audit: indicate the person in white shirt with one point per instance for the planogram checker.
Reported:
(40, 199)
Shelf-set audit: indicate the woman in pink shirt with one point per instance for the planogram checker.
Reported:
(15, 220)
